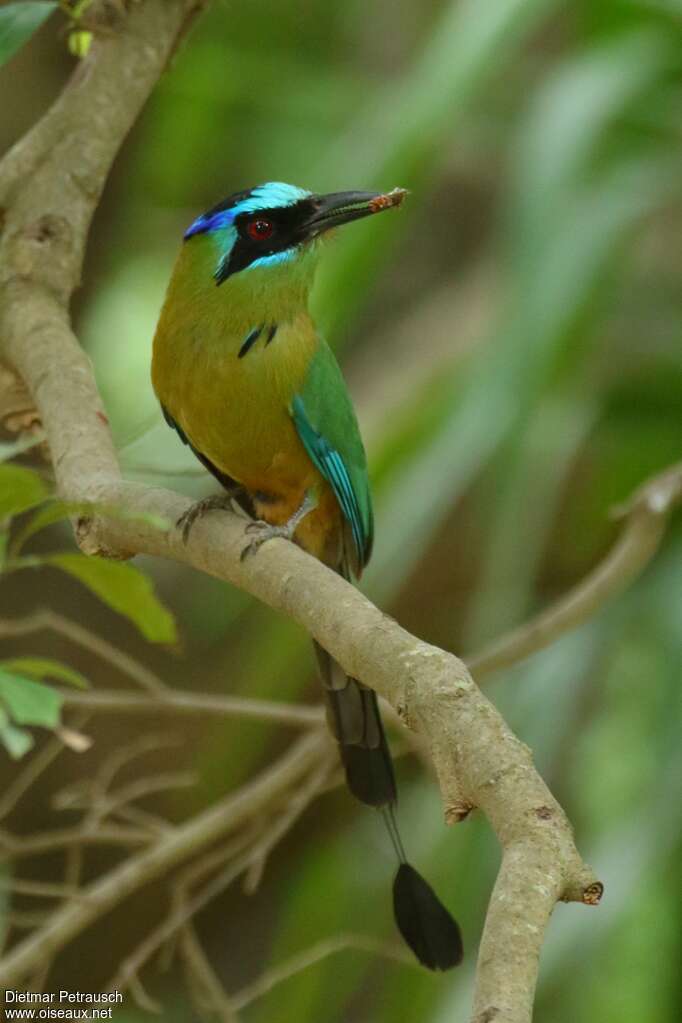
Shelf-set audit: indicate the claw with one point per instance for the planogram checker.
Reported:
(257, 526)
(199, 509)
(265, 531)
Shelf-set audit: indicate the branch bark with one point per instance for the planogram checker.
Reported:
(49, 185)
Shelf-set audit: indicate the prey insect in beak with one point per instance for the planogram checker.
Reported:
(342, 207)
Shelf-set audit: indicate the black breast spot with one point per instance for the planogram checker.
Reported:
(249, 341)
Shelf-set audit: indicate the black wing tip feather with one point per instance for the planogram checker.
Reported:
(424, 922)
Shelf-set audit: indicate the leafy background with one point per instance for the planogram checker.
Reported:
(512, 341)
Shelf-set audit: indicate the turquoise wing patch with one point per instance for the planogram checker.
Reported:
(332, 466)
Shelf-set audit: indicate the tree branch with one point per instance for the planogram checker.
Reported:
(50, 184)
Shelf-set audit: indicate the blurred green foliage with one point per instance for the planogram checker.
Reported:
(512, 339)
(24, 699)
(18, 22)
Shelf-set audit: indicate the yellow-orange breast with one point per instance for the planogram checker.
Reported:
(235, 411)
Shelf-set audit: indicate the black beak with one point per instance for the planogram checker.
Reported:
(342, 207)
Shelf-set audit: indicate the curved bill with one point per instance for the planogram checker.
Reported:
(342, 207)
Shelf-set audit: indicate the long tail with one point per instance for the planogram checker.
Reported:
(355, 721)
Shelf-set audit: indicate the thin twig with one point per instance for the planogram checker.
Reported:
(170, 850)
(187, 703)
(35, 767)
(154, 824)
(197, 871)
(317, 952)
(74, 862)
(27, 920)
(188, 908)
(197, 961)
(14, 847)
(38, 981)
(647, 514)
(93, 792)
(141, 996)
(124, 755)
(138, 789)
(54, 622)
(39, 889)
(209, 862)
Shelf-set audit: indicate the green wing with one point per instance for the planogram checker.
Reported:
(326, 423)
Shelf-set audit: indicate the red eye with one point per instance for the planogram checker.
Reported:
(260, 230)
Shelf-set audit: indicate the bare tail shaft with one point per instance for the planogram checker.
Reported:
(355, 721)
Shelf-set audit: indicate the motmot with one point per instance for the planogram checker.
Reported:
(244, 377)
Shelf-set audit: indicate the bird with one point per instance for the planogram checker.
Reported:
(248, 383)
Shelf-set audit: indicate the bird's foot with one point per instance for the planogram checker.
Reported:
(215, 502)
(264, 531)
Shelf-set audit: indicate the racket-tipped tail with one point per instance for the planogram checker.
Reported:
(424, 922)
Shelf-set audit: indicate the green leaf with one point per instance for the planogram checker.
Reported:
(124, 589)
(44, 667)
(29, 702)
(17, 741)
(20, 489)
(18, 22)
(57, 510)
(11, 448)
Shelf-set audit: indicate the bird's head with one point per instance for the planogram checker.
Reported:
(276, 225)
